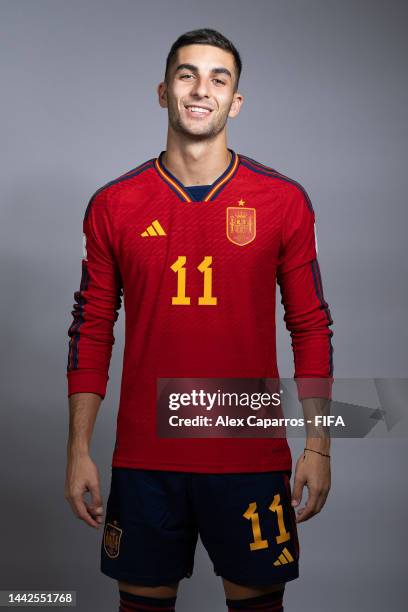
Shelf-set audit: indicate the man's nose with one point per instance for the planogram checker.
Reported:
(200, 87)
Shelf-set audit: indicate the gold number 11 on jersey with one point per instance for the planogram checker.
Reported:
(181, 299)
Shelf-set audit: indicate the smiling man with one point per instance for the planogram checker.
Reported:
(196, 240)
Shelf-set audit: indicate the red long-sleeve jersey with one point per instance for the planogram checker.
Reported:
(198, 279)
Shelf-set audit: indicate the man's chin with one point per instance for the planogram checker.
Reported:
(196, 133)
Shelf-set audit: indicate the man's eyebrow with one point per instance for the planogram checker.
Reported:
(192, 68)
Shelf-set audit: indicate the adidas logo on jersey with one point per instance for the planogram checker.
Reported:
(155, 229)
(284, 557)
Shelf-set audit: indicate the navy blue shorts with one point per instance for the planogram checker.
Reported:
(245, 522)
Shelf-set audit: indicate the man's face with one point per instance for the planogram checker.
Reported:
(200, 91)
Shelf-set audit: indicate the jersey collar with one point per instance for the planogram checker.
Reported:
(213, 190)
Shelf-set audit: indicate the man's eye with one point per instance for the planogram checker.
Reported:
(183, 76)
(219, 81)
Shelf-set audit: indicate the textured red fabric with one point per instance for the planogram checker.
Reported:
(234, 338)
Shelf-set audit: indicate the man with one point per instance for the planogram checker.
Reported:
(195, 240)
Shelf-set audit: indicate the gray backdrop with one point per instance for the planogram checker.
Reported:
(326, 99)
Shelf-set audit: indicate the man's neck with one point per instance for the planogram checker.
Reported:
(197, 163)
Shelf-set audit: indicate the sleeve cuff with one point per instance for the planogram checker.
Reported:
(314, 387)
(87, 381)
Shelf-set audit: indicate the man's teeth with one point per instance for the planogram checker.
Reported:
(197, 109)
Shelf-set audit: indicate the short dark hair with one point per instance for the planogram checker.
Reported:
(205, 36)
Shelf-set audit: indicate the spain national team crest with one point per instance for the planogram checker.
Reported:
(241, 224)
(111, 539)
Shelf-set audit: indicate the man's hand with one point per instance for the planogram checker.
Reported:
(312, 470)
(82, 476)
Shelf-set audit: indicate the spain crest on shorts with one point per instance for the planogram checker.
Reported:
(111, 539)
(241, 224)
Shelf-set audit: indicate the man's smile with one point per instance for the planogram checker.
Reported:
(197, 110)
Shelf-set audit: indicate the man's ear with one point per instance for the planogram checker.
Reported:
(162, 94)
(237, 102)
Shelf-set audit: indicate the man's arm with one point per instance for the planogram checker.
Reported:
(313, 466)
(90, 347)
(308, 319)
(82, 474)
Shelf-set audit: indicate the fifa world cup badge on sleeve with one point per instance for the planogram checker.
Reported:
(315, 234)
(111, 539)
(84, 252)
(241, 224)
